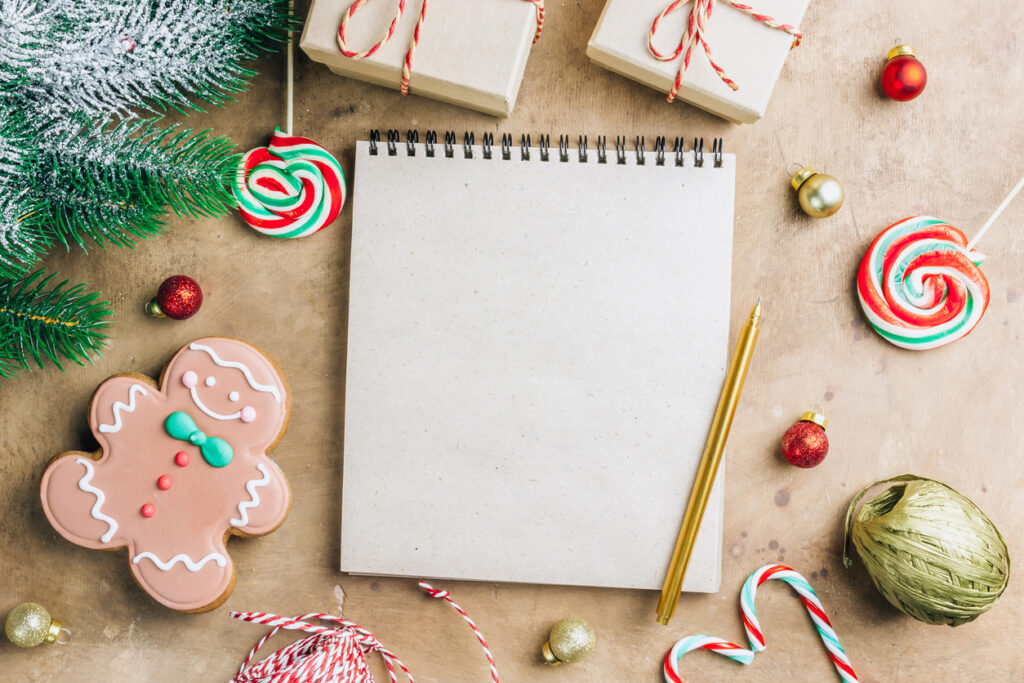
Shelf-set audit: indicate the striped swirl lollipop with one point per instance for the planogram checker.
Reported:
(920, 284)
(291, 188)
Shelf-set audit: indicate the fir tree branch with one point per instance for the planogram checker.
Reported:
(59, 323)
(24, 235)
(105, 58)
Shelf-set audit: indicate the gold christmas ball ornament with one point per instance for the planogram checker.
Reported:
(29, 624)
(570, 641)
(820, 194)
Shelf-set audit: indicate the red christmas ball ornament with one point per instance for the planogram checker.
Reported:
(904, 76)
(805, 443)
(179, 297)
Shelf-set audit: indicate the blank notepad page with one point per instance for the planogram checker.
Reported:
(535, 352)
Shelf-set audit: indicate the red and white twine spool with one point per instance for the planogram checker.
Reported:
(390, 31)
(334, 653)
(696, 24)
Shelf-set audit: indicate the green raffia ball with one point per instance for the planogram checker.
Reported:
(930, 551)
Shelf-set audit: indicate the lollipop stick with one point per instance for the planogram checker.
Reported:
(290, 75)
(995, 215)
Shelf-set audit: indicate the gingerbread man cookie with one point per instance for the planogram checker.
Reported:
(181, 467)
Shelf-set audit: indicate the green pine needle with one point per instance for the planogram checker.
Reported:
(111, 185)
(59, 323)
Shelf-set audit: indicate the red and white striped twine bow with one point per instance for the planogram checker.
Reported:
(331, 654)
(700, 15)
(399, 10)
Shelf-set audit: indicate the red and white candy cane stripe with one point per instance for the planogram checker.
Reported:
(696, 24)
(399, 11)
(445, 595)
(753, 627)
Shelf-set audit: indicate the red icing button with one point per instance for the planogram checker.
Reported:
(180, 459)
(147, 510)
(164, 482)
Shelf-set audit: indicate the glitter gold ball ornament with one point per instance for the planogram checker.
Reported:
(29, 624)
(178, 298)
(904, 76)
(570, 641)
(820, 195)
(805, 443)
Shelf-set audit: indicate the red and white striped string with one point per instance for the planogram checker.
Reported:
(696, 24)
(445, 595)
(330, 654)
(399, 11)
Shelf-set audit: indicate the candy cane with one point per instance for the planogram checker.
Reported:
(920, 286)
(753, 627)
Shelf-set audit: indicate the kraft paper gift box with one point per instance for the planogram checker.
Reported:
(470, 53)
(750, 53)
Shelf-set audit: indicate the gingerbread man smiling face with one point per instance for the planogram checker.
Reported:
(181, 466)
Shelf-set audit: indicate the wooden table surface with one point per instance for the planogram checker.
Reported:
(951, 414)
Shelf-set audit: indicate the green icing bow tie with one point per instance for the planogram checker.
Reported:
(217, 452)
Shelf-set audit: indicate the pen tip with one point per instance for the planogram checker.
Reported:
(758, 301)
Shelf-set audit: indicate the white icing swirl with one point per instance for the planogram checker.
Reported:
(84, 484)
(267, 388)
(214, 415)
(189, 563)
(254, 497)
(119, 406)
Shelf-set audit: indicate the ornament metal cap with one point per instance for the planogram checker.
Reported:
(549, 656)
(816, 418)
(801, 176)
(153, 309)
(901, 50)
(53, 633)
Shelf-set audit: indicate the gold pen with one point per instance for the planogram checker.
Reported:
(709, 462)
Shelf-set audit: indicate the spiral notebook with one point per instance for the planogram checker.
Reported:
(537, 337)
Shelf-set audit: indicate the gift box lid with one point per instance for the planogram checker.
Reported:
(469, 53)
(751, 53)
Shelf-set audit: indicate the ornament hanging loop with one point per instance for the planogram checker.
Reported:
(793, 168)
(62, 632)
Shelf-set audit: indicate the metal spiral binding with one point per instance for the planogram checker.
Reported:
(412, 139)
(545, 146)
(620, 149)
(677, 148)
